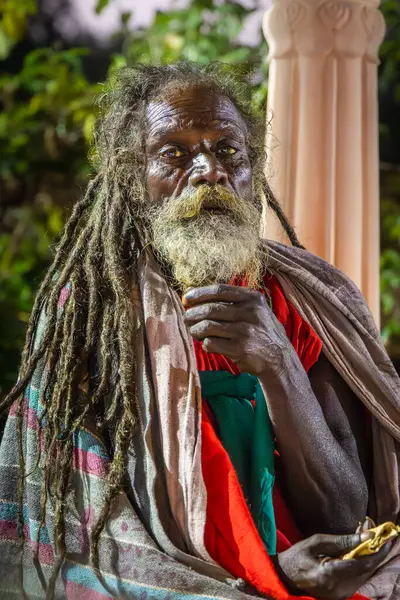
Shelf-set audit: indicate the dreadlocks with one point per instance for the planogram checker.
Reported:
(96, 260)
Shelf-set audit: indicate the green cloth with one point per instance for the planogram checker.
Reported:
(247, 435)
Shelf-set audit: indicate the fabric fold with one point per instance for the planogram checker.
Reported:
(154, 543)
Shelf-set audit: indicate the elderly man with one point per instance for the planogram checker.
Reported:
(199, 413)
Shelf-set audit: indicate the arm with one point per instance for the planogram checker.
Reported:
(323, 477)
(319, 433)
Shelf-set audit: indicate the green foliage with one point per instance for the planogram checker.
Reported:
(389, 86)
(48, 110)
(24, 255)
(203, 32)
(13, 22)
(389, 51)
(44, 129)
(100, 6)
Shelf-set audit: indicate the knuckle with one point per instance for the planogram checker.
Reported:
(218, 309)
(261, 298)
(349, 541)
(330, 570)
(201, 328)
(244, 329)
(211, 327)
(205, 310)
(258, 297)
(317, 539)
(219, 288)
(258, 315)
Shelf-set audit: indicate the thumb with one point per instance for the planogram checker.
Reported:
(336, 545)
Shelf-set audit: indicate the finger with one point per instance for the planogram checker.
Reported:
(364, 565)
(361, 565)
(217, 345)
(336, 545)
(218, 292)
(372, 561)
(212, 329)
(218, 311)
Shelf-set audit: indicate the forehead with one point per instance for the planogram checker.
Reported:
(193, 108)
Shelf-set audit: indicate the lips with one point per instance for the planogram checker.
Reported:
(212, 208)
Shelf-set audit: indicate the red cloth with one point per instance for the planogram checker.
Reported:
(231, 536)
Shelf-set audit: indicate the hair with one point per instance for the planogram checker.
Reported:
(97, 259)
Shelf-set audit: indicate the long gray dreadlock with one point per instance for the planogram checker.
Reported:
(97, 257)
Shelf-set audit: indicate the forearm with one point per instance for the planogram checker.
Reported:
(323, 482)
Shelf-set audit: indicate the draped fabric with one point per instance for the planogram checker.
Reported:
(246, 433)
(156, 542)
(231, 535)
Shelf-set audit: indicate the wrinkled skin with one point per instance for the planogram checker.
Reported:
(196, 137)
(190, 140)
(238, 323)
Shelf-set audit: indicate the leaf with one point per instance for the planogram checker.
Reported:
(125, 17)
(118, 61)
(88, 128)
(100, 6)
(55, 222)
(174, 42)
(6, 44)
(388, 302)
(237, 55)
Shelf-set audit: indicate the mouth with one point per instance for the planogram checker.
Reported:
(213, 209)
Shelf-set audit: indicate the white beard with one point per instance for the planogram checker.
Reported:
(209, 248)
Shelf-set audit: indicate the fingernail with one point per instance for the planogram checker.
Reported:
(367, 535)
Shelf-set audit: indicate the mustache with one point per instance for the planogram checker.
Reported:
(190, 203)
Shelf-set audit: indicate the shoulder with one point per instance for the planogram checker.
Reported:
(323, 277)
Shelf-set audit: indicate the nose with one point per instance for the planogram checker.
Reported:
(207, 170)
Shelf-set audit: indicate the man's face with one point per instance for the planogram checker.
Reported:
(203, 217)
(196, 137)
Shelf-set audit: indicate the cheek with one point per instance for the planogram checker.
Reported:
(161, 181)
(243, 178)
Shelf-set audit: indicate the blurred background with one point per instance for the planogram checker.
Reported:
(53, 55)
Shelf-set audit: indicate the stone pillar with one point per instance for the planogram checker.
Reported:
(323, 135)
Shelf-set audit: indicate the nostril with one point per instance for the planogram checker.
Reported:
(210, 176)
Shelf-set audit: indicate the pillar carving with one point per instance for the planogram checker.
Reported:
(322, 141)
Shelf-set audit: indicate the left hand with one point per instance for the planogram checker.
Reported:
(238, 323)
(312, 567)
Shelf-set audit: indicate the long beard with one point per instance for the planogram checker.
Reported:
(201, 247)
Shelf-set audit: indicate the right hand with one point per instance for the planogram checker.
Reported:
(312, 567)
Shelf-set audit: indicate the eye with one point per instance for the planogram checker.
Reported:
(172, 152)
(227, 150)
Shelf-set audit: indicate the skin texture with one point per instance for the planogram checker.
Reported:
(196, 137)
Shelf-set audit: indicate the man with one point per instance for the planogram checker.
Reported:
(120, 476)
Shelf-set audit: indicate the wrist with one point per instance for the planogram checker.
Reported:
(281, 370)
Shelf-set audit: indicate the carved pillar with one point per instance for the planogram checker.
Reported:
(323, 137)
